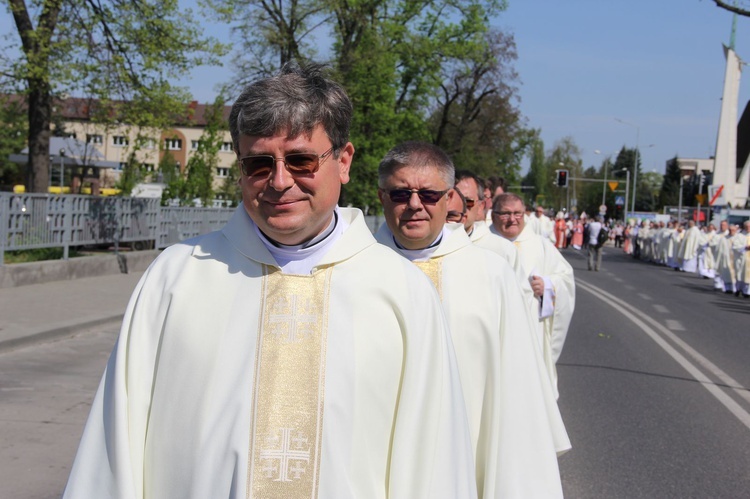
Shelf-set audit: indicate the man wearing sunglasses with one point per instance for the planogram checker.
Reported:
(289, 354)
(476, 225)
(550, 276)
(515, 425)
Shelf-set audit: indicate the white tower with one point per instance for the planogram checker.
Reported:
(726, 171)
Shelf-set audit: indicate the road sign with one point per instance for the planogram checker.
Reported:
(613, 185)
(716, 195)
(619, 200)
(701, 198)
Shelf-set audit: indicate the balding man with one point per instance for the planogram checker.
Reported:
(515, 426)
(550, 275)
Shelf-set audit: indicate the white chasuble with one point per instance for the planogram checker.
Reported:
(539, 257)
(516, 427)
(231, 379)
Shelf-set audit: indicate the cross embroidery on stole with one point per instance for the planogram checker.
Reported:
(288, 390)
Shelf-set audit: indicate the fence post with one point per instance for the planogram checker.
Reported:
(4, 221)
(67, 217)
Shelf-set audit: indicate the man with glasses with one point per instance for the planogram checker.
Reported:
(515, 425)
(550, 276)
(476, 225)
(289, 354)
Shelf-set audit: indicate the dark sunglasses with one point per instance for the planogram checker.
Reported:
(297, 163)
(455, 216)
(426, 196)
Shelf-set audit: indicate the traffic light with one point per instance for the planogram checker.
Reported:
(562, 178)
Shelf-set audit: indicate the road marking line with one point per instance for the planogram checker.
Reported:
(674, 325)
(629, 287)
(644, 296)
(638, 318)
(662, 310)
(617, 279)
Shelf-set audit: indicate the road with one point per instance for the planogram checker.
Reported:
(653, 390)
(653, 385)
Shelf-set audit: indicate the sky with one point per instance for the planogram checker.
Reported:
(657, 65)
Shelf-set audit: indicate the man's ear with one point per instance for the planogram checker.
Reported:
(346, 154)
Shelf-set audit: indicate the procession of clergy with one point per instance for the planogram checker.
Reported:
(291, 355)
(722, 255)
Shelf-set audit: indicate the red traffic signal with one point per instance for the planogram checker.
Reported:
(562, 178)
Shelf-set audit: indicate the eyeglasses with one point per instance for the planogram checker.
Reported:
(471, 202)
(505, 215)
(297, 163)
(426, 196)
(455, 216)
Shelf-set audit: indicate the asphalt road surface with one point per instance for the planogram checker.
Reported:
(654, 383)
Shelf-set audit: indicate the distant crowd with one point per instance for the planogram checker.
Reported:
(722, 255)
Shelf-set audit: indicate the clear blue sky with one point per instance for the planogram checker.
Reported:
(657, 64)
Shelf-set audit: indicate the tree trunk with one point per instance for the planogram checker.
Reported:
(40, 111)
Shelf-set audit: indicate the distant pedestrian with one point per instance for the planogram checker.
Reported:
(595, 243)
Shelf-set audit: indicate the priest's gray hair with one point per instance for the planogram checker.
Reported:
(506, 198)
(416, 154)
(294, 101)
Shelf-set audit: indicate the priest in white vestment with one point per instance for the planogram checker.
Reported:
(287, 355)
(475, 223)
(706, 262)
(541, 224)
(725, 272)
(687, 253)
(515, 424)
(550, 275)
(741, 250)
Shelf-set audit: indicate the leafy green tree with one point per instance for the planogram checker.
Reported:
(12, 140)
(114, 51)
(173, 179)
(538, 174)
(202, 165)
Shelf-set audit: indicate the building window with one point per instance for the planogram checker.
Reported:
(194, 144)
(222, 172)
(150, 144)
(120, 167)
(173, 144)
(94, 139)
(226, 147)
(69, 135)
(120, 141)
(147, 167)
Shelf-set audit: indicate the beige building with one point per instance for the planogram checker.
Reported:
(116, 142)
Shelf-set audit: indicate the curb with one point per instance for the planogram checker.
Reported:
(55, 333)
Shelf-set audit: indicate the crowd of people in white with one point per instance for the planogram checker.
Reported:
(722, 255)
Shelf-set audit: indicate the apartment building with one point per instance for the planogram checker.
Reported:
(115, 142)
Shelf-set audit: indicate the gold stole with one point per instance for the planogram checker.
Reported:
(288, 389)
(434, 270)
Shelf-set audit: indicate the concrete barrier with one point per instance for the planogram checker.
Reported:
(23, 274)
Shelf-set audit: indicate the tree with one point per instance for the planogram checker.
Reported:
(201, 165)
(565, 154)
(742, 11)
(12, 140)
(392, 56)
(116, 51)
(538, 176)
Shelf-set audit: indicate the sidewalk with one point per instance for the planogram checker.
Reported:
(41, 312)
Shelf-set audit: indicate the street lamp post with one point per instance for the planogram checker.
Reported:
(62, 168)
(635, 158)
(627, 185)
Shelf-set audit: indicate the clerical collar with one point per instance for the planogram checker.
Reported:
(302, 258)
(424, 254)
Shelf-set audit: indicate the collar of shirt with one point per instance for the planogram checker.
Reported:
(302, 258)
(424, 254)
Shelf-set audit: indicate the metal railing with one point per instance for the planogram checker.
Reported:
(29, 221)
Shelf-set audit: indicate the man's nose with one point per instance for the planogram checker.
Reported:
(414, 202)
(280, 179)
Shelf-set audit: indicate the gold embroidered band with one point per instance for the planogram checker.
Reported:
(288, 390)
